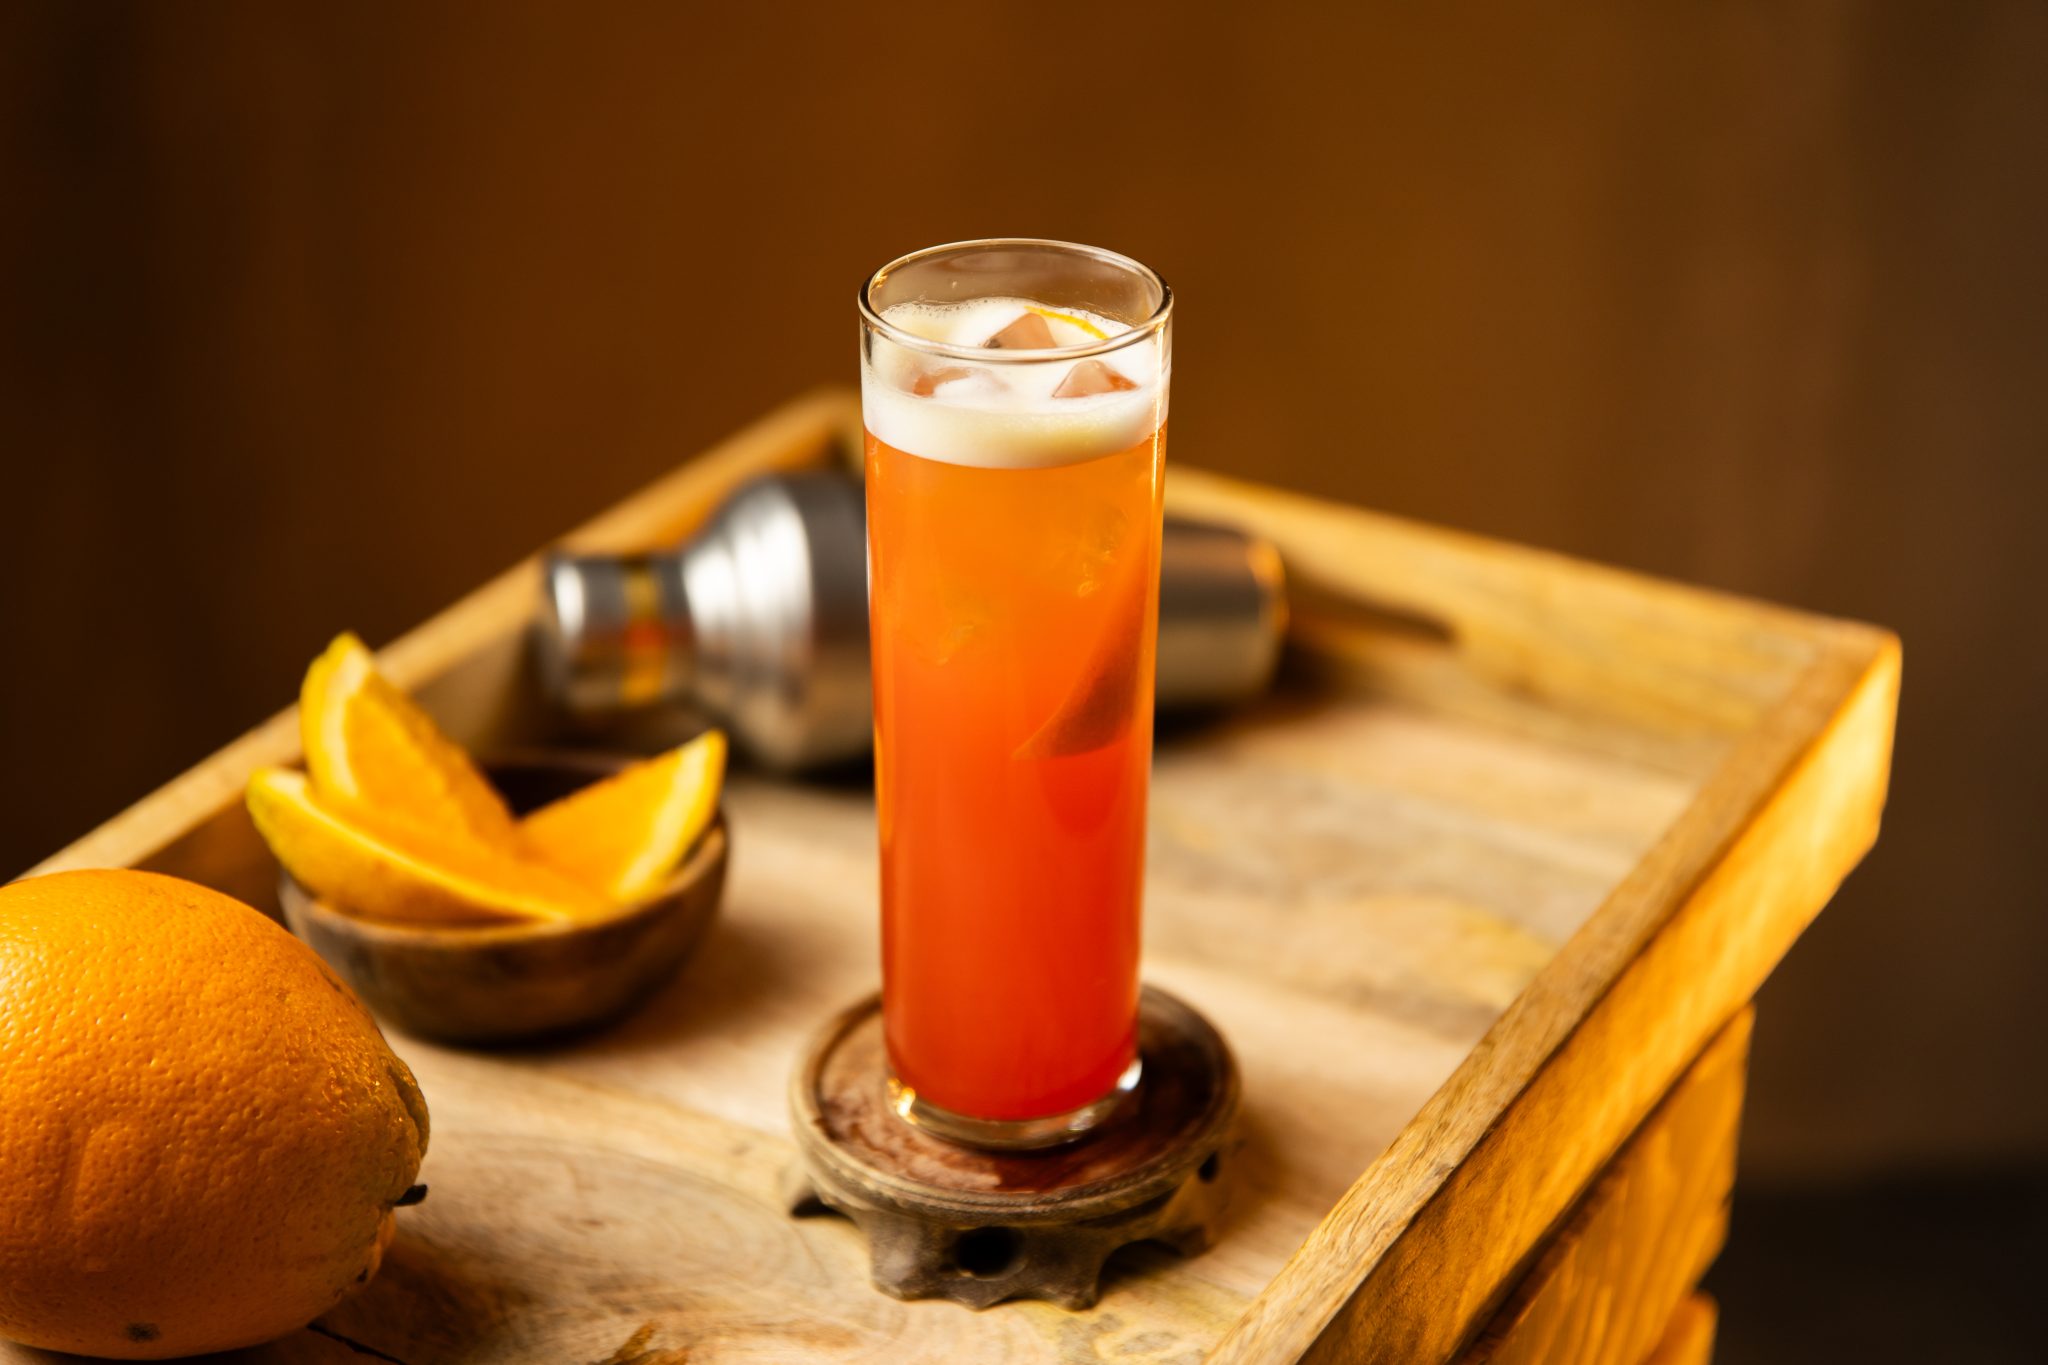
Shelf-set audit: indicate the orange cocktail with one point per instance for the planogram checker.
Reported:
(1013, 531)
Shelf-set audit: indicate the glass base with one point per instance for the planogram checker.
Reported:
(1012, 1135)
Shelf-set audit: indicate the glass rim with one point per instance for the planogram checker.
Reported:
(982, 355)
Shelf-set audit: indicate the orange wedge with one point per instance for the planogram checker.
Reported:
(378, 758)
(413, 878)
(625, 835)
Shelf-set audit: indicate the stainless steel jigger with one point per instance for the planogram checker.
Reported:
(760, 621)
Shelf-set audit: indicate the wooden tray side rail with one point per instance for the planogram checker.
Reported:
(1610, 1282)
(1422, 1248)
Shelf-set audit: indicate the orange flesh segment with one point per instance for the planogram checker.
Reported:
(625, 835)
(407, 876)
(374, 754)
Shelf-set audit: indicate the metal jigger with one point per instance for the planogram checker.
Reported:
(760, 621)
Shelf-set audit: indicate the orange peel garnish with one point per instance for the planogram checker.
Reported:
(1090, 328)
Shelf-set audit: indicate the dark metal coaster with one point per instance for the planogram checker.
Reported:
(978, 1227)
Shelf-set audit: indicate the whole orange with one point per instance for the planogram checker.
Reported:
(202, 1131)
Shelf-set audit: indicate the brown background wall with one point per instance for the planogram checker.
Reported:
(313, 316)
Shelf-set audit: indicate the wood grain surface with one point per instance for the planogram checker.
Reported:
(1512, 838)
(1607, 1284)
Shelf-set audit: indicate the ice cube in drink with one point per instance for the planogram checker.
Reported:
(1090, 377)
(960, 380)
(1027, 332)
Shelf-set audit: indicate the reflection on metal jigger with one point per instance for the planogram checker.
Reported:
(760, 622)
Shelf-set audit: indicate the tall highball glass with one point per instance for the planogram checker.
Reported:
(1014, 393)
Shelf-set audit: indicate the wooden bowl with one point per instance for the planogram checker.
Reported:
(508, 983)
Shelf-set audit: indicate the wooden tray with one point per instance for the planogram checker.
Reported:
(1515, 838)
